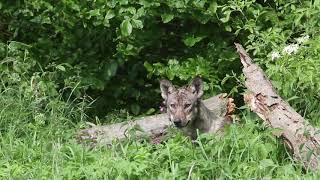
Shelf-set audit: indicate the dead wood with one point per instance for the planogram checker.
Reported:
(299, 136)
(151, 126)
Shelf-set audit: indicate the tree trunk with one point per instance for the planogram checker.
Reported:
(299, 136)
(151, 126)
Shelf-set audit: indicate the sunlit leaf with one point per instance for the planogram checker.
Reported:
(192, 40)
(126, 28)
(167, 17)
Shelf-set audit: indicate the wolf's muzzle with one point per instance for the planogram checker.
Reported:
(177, 124)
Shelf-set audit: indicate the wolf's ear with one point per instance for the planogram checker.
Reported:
(166, 88)
(197, 87)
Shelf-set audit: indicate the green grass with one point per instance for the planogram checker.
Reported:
(39, 143)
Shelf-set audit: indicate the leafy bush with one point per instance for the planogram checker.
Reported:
(109, 47)
(297, 77)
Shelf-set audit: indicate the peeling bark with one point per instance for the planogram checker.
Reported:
(299, 136)
(151, 126)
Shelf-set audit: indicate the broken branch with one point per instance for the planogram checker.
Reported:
(262, 99)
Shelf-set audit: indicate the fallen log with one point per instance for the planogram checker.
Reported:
(298, 134)
(151, 126)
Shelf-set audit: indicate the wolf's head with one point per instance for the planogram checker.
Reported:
(182, 102)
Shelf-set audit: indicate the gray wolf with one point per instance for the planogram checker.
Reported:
(186, 109)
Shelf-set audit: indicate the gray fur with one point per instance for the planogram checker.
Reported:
(184, 105)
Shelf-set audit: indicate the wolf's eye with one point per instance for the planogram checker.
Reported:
(172, 106)
(187, 106)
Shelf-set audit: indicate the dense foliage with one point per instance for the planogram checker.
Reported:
(66, 62)
(106, 48)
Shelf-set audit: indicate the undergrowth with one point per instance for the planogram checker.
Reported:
(42, 145)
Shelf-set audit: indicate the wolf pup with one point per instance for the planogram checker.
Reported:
(186, 109)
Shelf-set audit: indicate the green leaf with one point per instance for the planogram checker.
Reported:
(95, 12)
(266, 163)
(150, 111)
(148, 66)
(167, 17)
(126, 27)
(225, 79)
(228, 28)
(36, 19)
(123, 2)
(213, 7)
(135, 108)
(112, 69)
(61, 68)
(226, 17)
(191, 40)
(137, 23)
(140, 12)
(15, 45)
(132, 10)
(199, 4)
(110, 14)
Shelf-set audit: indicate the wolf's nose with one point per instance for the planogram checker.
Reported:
(177, 123)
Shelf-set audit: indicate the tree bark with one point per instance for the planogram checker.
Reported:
(151, 126)
(299, 136)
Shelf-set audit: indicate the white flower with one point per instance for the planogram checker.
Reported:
(303, 39)
(291, 48)
(275, 55)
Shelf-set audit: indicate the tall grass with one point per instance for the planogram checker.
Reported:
(39, 143)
